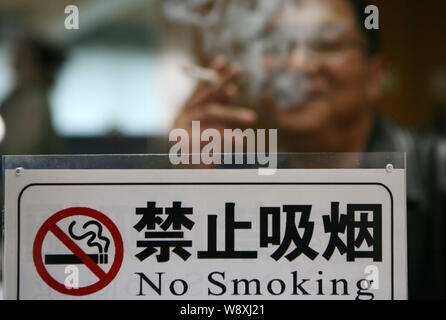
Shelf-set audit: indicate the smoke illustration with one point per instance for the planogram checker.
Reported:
(92, 235)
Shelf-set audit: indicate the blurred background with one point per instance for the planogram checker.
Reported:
(111, 83)
(112, 77)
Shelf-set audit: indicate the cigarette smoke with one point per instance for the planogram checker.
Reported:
(236, 30)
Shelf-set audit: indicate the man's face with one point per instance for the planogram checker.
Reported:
(318, 75)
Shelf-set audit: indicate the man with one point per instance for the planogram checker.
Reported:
(26, 109)
(323, 48)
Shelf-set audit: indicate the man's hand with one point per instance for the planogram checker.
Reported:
(213, 104)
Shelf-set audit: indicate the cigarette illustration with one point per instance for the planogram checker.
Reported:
(94, 239)
(73, 259)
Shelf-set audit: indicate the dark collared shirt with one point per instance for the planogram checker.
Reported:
(426, 204)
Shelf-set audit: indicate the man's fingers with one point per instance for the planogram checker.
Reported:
(220, 115)
(230, 114)
(223, 91)
(230, 94)
(219, 64)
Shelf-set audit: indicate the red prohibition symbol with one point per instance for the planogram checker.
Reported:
(104, 277)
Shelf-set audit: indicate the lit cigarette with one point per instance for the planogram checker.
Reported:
(200, 73)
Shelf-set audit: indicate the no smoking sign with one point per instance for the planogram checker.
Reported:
(86, 237)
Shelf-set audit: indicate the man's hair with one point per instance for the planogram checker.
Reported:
(372, 36)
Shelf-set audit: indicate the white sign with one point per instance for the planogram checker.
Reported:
(205, 234)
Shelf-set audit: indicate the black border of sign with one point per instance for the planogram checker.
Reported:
(204, 183)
